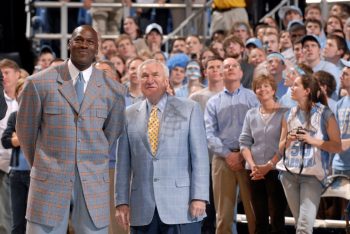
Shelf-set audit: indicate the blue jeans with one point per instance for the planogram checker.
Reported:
(303, 195)
(19, 187)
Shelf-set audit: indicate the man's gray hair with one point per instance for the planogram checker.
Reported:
(152, 61)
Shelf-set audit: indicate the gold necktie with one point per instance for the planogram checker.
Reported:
(153, 129)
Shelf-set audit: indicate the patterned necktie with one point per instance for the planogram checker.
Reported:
(79, 87)
(153, 129)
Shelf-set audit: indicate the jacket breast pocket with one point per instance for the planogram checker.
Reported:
(53, 110)
(101, 114)
(53, 117)
(99, 118)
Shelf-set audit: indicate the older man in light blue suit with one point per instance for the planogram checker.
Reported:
(169, 186)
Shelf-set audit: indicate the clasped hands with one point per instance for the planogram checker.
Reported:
(259, 171)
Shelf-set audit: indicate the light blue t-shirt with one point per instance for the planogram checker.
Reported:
(281, 89)
(286, 100)
(341, 161)
(23, 164)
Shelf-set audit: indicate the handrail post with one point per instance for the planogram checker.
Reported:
(324, 9)
(126, 11)
(205, 23)
(64, 30)
(188, 12)
(28, 19)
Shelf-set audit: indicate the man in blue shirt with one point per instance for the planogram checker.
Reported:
(312, 55)
(341, 161)
(224, 117)
(275, 67)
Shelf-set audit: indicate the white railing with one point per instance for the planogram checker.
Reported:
(63, 36)
(276, 8)
(319, 223)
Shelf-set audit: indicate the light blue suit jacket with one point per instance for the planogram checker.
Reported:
(177, 174)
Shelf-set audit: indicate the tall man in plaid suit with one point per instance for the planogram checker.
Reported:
(170, 176)
(69, 118)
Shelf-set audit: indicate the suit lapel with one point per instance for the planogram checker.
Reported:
(143, 120)
(66, 86)
(92, 90)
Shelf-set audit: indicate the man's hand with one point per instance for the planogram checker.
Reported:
(14, 140)
(235, 161)
(122, 215)
(197, 208)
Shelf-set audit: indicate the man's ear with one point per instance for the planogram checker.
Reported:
(68, 44)
(340, 52)
(167, 82)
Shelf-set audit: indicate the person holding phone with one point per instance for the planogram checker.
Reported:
(309, 131)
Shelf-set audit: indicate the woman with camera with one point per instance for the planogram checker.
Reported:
(309, 133)
(259, 146)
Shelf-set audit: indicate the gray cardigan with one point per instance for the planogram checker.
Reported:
(261, 138)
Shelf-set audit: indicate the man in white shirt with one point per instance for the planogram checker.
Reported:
(11, 73)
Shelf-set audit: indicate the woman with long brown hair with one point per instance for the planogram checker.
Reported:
(309, 131)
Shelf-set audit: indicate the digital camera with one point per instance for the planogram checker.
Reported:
(300, 130)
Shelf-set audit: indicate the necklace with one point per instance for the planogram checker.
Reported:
(266, 111)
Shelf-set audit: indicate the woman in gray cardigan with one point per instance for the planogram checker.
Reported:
(259, 146)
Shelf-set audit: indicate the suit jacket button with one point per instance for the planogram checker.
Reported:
(155, 179)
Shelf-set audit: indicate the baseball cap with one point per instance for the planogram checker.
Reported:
(311, 38)
(294, 22)
(154, 26)
(254, 41)
(46, 49)
(283, 11)
(345, 63)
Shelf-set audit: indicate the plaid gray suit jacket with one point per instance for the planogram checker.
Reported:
(56, 136)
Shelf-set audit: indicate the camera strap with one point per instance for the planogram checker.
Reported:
(302, 157)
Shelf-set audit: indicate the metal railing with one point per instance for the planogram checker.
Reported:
(319, 223)
(180, 29)
(63, 36)
(274, 10)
